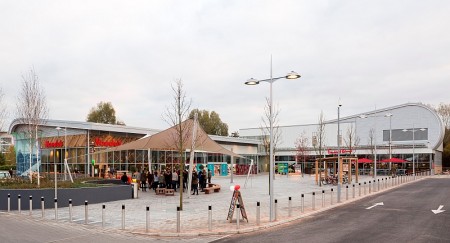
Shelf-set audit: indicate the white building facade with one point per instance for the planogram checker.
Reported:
(398, 132)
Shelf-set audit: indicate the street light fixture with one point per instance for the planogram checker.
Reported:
(271, 80)
(390, 139)
(413, 130)
(339, 185)
(375, 144)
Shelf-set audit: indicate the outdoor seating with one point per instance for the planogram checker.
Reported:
(169, 192)
(212, 187)
(160, 191)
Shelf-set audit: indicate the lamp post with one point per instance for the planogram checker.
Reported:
(375, 145)
(271, 80)
(54, 165)
(413, 130)
(339, 185)
(390, 139)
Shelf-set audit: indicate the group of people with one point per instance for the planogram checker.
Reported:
(169, 179)
(199, 180)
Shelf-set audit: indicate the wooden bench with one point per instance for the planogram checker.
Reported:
(170, 192)
(160, 191)
(211, 187)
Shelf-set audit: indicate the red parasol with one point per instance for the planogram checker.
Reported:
(365, 160)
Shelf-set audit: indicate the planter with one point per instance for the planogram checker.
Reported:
(78, 196)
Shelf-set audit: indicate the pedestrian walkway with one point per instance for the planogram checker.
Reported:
(194, 216)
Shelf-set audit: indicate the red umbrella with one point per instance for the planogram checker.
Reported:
(365, 160)
(394, 160)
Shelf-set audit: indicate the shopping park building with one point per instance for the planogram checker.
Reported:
(404, 130)
(400, 131)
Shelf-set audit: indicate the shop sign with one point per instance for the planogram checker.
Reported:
(56, 144)
(343, 151)
(101, 143)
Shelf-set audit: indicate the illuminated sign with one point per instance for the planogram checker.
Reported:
(101, 143)
(56, 144)
(343, 151)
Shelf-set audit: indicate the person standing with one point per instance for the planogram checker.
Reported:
(205, 177)
(150, 179)
(144, 181)
(174, 180)
(155, 180)
(209, 176)
(194, 182)
(124, 178)
(201, 177)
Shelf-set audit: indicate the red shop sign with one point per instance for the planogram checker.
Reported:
(56, 144)
(101, 143)
(343, 151)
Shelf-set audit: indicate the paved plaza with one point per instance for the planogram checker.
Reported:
(194, 217)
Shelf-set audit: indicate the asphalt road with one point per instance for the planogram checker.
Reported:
(405, 216)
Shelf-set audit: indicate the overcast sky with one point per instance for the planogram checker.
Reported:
(368, 53)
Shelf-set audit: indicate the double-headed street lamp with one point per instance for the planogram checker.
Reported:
(413, 130)
(390, 138)
(65, 156)
(271, 80)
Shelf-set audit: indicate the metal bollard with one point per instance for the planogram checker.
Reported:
(323, 198)
(238, 214)
(370, 187)
(209, 217)
(19, 207)
(303, 203)
(103, 215)
(258, 213)
(86, 215)
(313, 201)
(359, 189)
(42, 207)
(331, 203)
(147, 218)
(378, 184)
(123, 216)
(276, 209)
(353, 191)
(70, 210)
(346, 192)
(56, 208)
(375, 185)
(290, 207)
(9, 202)
(31, 205)
(179, 219)
(364, 188)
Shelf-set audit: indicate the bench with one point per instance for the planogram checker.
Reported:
(160, 191)
(170, 192)
(211, 187)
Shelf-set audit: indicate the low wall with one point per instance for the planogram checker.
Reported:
(78, 196)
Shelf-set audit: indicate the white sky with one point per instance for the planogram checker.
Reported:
(369, 53)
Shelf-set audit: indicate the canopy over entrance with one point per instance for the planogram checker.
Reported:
(394, 160)
(169, 140)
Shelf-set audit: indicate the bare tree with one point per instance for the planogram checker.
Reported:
(444, 112)
(32, 110)
(351, 140)
(371, 142)
(319, 136)
(265, 130)
(175, 114)
(2, 110)
(301, 147)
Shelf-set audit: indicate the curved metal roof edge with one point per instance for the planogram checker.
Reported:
(86, 125)
(441, 123)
